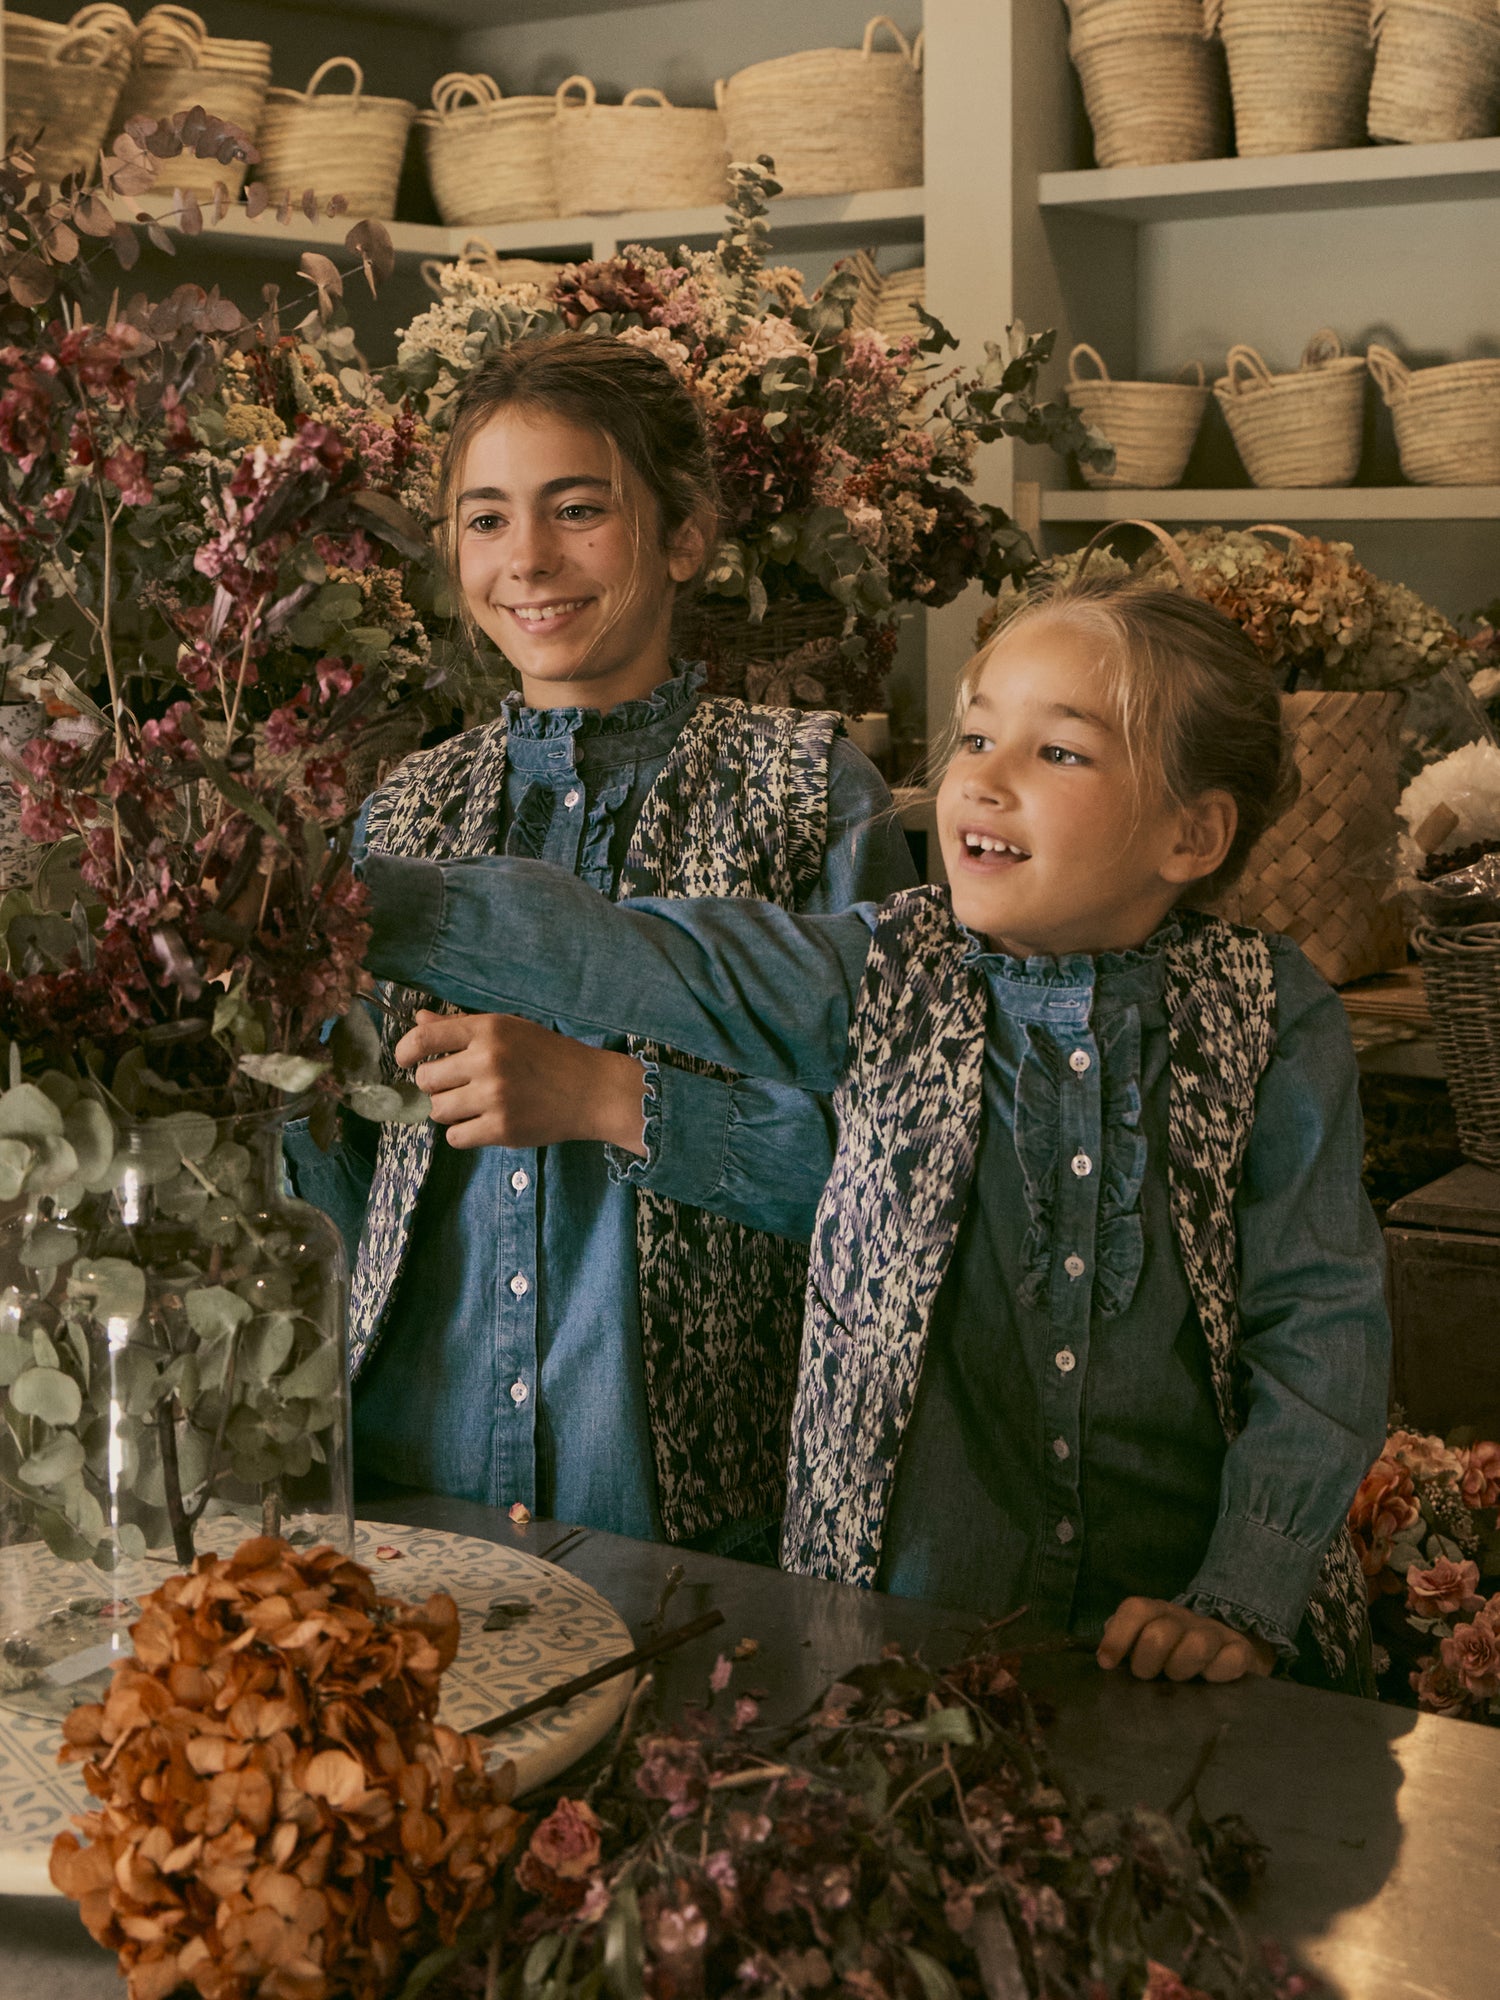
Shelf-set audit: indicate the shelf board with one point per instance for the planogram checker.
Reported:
(1354, 177)
(1252, 503)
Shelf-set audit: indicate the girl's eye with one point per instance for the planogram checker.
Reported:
(482, 524)
(976, 745)
(580, 510)
(1054, 753)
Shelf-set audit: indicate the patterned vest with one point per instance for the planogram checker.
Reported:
(740, 808)
(908, 1113)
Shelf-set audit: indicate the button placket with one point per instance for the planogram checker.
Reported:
(513, 1424)
(1075, 1220)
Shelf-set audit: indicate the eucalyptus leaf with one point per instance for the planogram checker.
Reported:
(48, 1245)
(214, 1312)
(29, 1113)
(78, 1340)
(15, 1354)
(132, 1379)
(115, 1287)
(132, 1541)
(15, 1162)
(267, 1346)
(228, 1166)
(84, 1512)
(61, 1088)
(47, 1393)
(354, 1044)
(317, 1376)
(62, 1537)
(936, 1981)
(379, 1102)
(944, 1725)
(624, 1953)
(219, 1222)
(288, 1073)
(43, 1352)
(61, 1457)
(53, 1165)
(193, 1133)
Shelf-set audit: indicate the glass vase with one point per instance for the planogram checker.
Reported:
(172, 1379)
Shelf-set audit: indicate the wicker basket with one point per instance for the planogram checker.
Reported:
(1296, 430)
(886, 300)
(64, 81)
(1447, 420)
(1151, 425)
(477, 255)
(1311, 876)
(351, 146)
(1299, 71)
(1153, 83)
(1437, 70)
(640, 153)
(833, 120)
(489, 157)
(1461, 973)
(178, 64)
(760, 662)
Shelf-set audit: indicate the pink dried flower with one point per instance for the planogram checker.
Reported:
(1479, 1481)
(1472, 1654)
(1446, 1587)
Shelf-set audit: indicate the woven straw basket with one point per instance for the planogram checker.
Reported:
(65, 82)
(1461, 973)
(489, 157)
(1447, 420)
(478, 255)
(833, 120)
(351, 145)
(1153, 84)
(886, 300)
(178, 64)
(1299, 71)
(640, 153)
(1151, 425)
(1437, 70)
(1296, 430)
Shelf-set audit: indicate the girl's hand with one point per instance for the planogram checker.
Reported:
(1162, 1638)
(498, 1080)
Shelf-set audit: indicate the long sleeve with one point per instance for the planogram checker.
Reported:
(1315, 1334)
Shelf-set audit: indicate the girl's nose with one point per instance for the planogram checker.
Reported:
(531, 551)
(988, 779)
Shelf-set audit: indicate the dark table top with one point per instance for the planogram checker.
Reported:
(1383, 1825)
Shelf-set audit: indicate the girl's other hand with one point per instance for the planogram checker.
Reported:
(499, 1080)
(1162, 1638)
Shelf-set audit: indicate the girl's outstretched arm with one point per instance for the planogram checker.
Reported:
(740, 983)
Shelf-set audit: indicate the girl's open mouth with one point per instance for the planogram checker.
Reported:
(986, 851)
(548, 617)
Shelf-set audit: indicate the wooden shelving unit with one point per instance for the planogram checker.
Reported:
(1253, 503)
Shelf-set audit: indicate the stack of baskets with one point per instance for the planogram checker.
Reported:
(1303, 429)
(1152, 82)
(64, 82)
(489, 157)
(1437, 70)
(1299, 73)
(1151, 425)
(833, 120)
(178, 64)
(1461, 975)
(886, 301)
(641, 153)
(1447, 420)
(350, 145)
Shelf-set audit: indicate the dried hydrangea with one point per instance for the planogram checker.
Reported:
(279, 1812)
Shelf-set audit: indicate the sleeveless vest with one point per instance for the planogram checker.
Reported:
(740, 808)
(908, 1112)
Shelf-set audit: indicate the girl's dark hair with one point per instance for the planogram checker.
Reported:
(1199, 709)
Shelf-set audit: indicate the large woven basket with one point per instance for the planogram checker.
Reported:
(178, 64)
(477, 255)
(63, 80)
(1299, 71)
(489, 157)
(1153, 83)
(1151, 425)
(753, 661)
(886, 301)
(1461, 974)
(640, 153)
(1303, 429)
(1437, 70)
(1315, 874)
(833, 120)
(351, 145)
(1447, 420)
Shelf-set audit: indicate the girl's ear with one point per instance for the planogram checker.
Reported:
(1204, 835)
(686, 548)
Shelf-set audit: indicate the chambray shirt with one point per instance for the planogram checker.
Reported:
(509, 1363)
(1064, 1451)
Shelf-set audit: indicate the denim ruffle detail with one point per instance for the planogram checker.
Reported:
(631, 1169)
(1037, 1084)
(595, 862)
(669, 699)
(526, 835)
(1073, 968)
(1253, 1623)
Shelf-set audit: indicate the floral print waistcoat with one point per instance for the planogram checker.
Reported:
(908, 1114)
(740, 808)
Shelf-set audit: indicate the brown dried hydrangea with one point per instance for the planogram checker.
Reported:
(280, 1813)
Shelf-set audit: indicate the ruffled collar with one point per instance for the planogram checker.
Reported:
(1074, 969)
(666, 703)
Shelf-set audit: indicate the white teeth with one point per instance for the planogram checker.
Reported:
(980, 843)
(543, 614)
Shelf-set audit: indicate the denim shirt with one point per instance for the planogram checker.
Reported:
(509, 1367)
(1064, 1451)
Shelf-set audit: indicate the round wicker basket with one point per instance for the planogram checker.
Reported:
(351, 145)
(833, 120)
(178, 64)
(1447, 420)
(1461, 975)
(1151, 425)
(640, 153)
(1303, 429)
(63, 81)
(1299, 71)
(1153, 83)
(1437, 70)
(489, 157)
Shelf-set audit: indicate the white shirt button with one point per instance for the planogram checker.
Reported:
(1080, 1062)
(520, 1180)
(520, 1284)
(1074, 1265)
(1060, 1448)
(518, 1393)
(1064, 1532)
(570, 799)
(1065, 1360)
(1082, 1165)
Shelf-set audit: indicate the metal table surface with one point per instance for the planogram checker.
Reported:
(1384, 1826)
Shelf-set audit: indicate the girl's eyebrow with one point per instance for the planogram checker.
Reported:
(553, 486)
(1079, 715)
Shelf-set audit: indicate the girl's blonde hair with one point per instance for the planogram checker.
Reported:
(1198, 708)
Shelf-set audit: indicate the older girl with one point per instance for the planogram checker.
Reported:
(1094, 1319)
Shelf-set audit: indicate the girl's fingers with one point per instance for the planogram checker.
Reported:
(444, 1034)
(1155, 1645)
(1124, 1627)
(453, 1072)
(453, 1106)
(1196, 1652)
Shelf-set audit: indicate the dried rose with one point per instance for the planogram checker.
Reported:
(1472, 1654)
(1479, 1481)
(1446, 1587)
(561, 1854)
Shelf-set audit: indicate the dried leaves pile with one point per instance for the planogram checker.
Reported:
(280, 1814)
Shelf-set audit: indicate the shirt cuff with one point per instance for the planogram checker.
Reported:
(1255, 1579)
(405, 915)
(686, 1136)
(635, 1169)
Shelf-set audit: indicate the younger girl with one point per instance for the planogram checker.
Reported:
(1094, 1318)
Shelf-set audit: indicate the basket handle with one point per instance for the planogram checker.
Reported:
(1378, 9)
(95, 33)
(1191, 372)
(459, 87)
(1174, 554)
(721, 91)
(1389, 370)
(1213, 11)
(176, 31)
(1240, 356)
(1293, 535)
(1325, 345)
(919, 48)
(1094, 355)
(337, 62)
(648, 94)
(590, 95)
(873, 26)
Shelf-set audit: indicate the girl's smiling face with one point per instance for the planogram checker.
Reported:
(1050, 844)
(561, 562)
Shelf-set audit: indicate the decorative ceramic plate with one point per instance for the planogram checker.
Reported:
(565, 1630)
